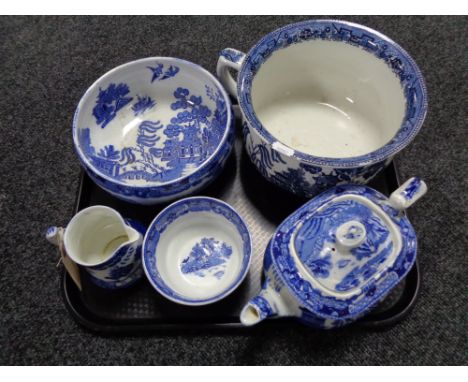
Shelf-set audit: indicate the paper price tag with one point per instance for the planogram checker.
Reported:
(70, 266)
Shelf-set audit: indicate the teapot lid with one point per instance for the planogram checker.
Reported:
(344, 250)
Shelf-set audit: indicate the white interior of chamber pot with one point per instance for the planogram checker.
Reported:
(328, 99)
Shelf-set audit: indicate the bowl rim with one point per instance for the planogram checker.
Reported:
(244, 85)
(181, 299)
(86, 163)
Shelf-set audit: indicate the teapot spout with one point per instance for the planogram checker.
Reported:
(267, 304)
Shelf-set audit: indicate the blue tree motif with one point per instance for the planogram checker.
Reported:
(181, 95)
(264, 158)
(109, 152)
(186, 131)
(109, 102)
(118, 273)
(172, 130)
(143, 104)
(293, 179)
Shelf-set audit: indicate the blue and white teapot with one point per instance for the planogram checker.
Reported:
(336, 257)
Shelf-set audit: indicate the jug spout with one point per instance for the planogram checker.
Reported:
(55, 235)
(267, 304)
(133, 234)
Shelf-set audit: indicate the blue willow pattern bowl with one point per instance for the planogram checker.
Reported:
(337, 257)
(154, 129)
(197, 251)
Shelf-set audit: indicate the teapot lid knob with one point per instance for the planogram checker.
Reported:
(351, 234)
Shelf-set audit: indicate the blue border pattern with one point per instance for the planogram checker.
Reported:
(317, 307)
(372, 42)
(176, 211)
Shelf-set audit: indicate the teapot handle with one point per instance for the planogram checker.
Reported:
(408, 193)
(229, 58)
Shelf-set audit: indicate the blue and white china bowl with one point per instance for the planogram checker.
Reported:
(154, 129)
(197, 251)
(336, 257)
(325, 102)
(104, 244)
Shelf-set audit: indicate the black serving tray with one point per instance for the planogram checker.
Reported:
(263, 206)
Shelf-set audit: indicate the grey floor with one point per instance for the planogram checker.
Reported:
(45, 66)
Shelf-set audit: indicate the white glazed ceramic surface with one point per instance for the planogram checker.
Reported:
(196, 251)
(153, 129)
(95, 234)
(104, 244)
(325, 102)
(321, 107)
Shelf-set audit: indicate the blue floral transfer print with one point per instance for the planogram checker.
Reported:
(377, 233)
(232, 55)
(354, 232)
(209, 256)
(321, 266)
(315, 241)
(360, 274)
(109, 102)
(304, 179)
(160, 74)
(109, 152)
(143, 104)
(343, 263)
(164, 152)
(412, 189)
(265, 158)
(117, 273)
